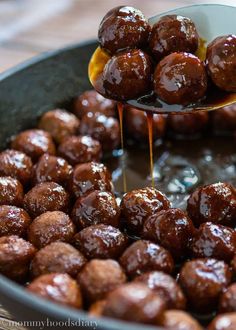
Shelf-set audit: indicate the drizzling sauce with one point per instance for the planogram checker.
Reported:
(120, 108)
(150, 140)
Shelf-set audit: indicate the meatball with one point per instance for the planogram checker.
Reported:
(57, 257)
(60, 124)
(17, 165)
(221, 62)
(139, 204)
(165, 287)
(34, 143)
(13, 221)
(223, 322)
(96, 309)
(59, 288)
(214, 241)
(93, 102)
(52, 169)
(102, 128)
(179, 320)
(11, 191)
(224, 119)
(98, 277)
(101, 241)
(134, 302)
(51, 227)
(144, 256)
(94, 208)
(227, 302)
(122, 28)
(15, 257)
(46, 196)
(180, 78)
(89, 177)
(173, 33)
(233, 264)
(188, 124)
(126, 70)
(215, 203)
(203, 281)
(172, 229)
(80, 149)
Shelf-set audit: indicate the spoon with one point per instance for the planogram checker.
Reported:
(211, 21)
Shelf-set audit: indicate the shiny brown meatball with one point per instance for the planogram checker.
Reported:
(51, 227)
(165, 287)
(172, 229)
(221, 62)
(92, 102)
(223, 322)
(126, 70)
(98, 277)
(139, 204)
(144, 256)
(214, 241)
(34, 143)
(13, 221)
(91, 176)
(96, 309)
(46, 196)
(17, 165)
(102, 128)
(52, 169)
(57, 257)
(11, 191)
(15, 257)
(94, 208)
(224, 119)
(203, 281)
(134, 302)
(173, 33)
(122, 28)
(101, 242)
(180, 78)
(59, 288)
(179, 320)
(188, 124)
(215, 203)
(60, 124)
(80, 149)
(227, 302)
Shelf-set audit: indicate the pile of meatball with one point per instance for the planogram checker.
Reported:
(162, 58)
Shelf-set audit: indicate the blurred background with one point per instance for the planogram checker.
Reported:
(29, 27)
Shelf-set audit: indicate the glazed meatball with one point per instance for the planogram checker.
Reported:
(80, 149)
(224, 119)
(122, 28)
(102, 128)
(59, 288)
(34, 143)
(126, 70)
(46, 196)
(57, 257)
(134, 302)
(101, 242)
(223, 322)
(11, 191)
(89, 177)
(13, 221)
(172, 229)
(228, 300)
(52, 169)
(17, 165)
(214, 241)
(173, 33)
(94, 208)
(98, 277)
(188, 124)
(166, 287)
(180, 78)
(221, 62)
(215, 203)
(60, 124)
(15, 257)
(139, 204)
(203, 281)
(179, 320)
(96, 309)
(144, 256)
(93, 102)
(51, 227)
